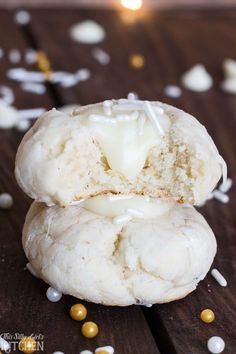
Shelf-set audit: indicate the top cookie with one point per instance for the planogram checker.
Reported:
(118, 146)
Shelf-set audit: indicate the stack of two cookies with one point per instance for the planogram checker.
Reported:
(114, 185)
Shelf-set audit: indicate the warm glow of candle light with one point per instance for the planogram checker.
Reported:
(132, 4)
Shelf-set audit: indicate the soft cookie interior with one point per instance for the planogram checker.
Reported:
(120, 147)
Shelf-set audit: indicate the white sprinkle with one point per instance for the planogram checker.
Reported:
(107, 107)
(57, 76)
(31, 270)
(37, 88)
(147, 305)
(107, 103)
(53, 295)
(108, 349)
(158, 109)
(4, 345)
(173, 91)
(1, 53)
(128, 106)
(134, 115)
(132, 96)
(22, 75)
(101, 56)
(126, 101)
(14, 56)
(152, 116)
(6, 201)
(215, 345)
(223, 168)
(121, 219)
(219, 277)
(23, 125)
(223, 198)
(30, 56)
(225, 187)
(83, 74)
(102, 119)
(68, 79)
(86, 352)
(7, 94)
(141, 123)
(135, 212)
(8, 115)
(22, 17)
(61, 353)
(126, 117)
(210, 196)
(120, 196)
(30, 113)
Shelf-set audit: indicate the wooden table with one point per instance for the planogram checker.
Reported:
(171, 43)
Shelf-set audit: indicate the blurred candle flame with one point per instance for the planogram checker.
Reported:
(132, 4)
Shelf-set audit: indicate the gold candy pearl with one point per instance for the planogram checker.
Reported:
(78, 312)
(207, 316)
(27, 345)
(102, 352)
(89, 329)
(137, 61)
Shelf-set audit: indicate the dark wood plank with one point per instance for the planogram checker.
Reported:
(24, 308)
(186, 40)
(171, 43)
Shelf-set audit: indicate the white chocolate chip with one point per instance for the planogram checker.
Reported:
(197, 79)
(88, 32)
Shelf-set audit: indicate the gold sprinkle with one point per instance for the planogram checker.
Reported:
(137, 61)
(44, 65)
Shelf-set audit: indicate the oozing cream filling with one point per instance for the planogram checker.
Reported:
(126, 131)
(111, 205)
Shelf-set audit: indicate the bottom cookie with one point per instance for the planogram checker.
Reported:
(139, 261)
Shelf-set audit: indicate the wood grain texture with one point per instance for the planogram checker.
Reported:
(171, 43)
(24, 308)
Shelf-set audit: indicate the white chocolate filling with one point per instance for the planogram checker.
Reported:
(126, 132)
(110, 205)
